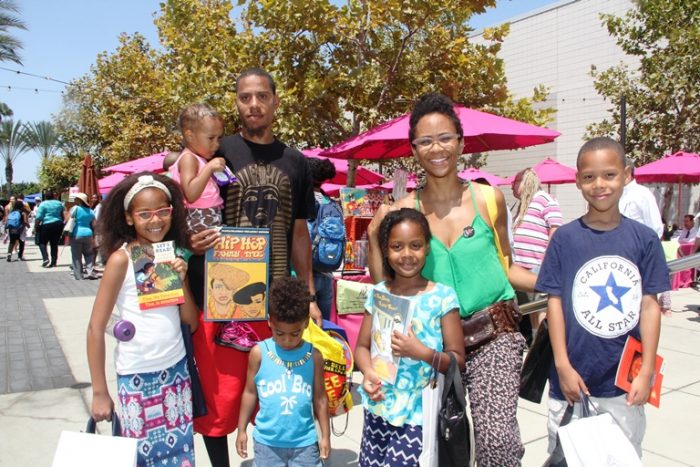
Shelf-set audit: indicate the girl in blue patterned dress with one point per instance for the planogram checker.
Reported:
(153, 383)
(392, 433)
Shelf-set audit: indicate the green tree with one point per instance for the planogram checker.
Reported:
(60, 172)
(13, 143)
(42, 137)
(340, 69)
(663, 92)
(26, 188)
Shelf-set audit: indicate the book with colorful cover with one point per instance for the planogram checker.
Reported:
(631, 363)
(157, 283)
(236, 275)
(389, 313)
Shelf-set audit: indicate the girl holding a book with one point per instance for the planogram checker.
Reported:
(154, 387)
(393, 410)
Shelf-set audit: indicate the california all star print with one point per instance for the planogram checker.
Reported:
(607, 296)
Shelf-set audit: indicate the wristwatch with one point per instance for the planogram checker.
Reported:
(313, 297)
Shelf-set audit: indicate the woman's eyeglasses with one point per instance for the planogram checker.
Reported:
(425, 142)
(162, 213)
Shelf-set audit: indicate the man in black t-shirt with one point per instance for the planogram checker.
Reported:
(274, 190)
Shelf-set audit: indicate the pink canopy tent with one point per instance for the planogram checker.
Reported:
(110, 181)
(363, 176)
(482, 132)
(471, 174)
(152, 163)
(411, 183)
(681, 167)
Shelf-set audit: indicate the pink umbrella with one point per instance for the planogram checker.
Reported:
(110, 181)
(363, 176)
(551, 172)
(471, 174)
(681, 167)
(482, 132)
(152, 163)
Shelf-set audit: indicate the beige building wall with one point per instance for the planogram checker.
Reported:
(556, 46)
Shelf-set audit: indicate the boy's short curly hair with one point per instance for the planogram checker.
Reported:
(289, 300)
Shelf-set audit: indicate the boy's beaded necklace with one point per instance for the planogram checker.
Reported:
(289, 364)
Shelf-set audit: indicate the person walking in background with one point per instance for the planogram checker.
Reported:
(16, 223)
(393, 419)
(285, 376)
(81, 238)
(274, 190)
(153, 381)
(323, 170)
(593, 307)
(49, 221)
(537, 218)
(639, 204)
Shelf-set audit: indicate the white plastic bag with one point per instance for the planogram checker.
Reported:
(597, 441)
(431, 407)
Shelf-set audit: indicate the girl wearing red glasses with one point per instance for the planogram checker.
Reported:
(153, 382)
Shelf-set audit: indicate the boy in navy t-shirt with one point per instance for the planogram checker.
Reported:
(602, 273)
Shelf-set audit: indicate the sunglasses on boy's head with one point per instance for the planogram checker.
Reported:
(162, 213)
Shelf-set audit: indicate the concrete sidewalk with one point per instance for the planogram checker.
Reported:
(33, 416)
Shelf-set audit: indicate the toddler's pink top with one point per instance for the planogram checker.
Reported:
(210, 197)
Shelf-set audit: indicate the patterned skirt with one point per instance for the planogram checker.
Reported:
(156, 409)
(385, 445)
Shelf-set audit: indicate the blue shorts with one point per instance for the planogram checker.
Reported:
(268, 456)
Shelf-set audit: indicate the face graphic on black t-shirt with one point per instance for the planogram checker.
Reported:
(260, 204)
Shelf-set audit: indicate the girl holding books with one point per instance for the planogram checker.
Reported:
(154, 388)
(393, 412)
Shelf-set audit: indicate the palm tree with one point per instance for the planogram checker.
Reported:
(8, 44)
(13, 143)
(42, 136)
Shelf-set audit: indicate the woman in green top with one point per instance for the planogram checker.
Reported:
(463, 255)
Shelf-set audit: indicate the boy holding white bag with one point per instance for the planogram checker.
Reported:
(602, 273)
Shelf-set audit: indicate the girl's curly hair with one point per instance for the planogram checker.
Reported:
(289, 300)
(392, 219)
(112, 224)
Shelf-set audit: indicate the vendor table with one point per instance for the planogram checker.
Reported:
(685, 278)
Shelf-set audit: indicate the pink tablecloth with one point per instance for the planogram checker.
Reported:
(683, 278)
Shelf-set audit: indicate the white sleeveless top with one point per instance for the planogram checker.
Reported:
(157, 343)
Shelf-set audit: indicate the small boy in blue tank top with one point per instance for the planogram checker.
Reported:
(285, 376)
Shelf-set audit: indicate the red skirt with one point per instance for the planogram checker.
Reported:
(222, 371)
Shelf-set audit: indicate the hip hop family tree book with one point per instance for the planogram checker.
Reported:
(157, 283)
(236, 275)
(631, 363)
(389, 313)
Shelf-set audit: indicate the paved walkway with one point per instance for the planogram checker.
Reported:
(44, 378)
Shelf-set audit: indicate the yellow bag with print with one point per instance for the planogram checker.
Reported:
(337, 367)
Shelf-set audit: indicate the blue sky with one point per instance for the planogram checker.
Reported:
(63, 38)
